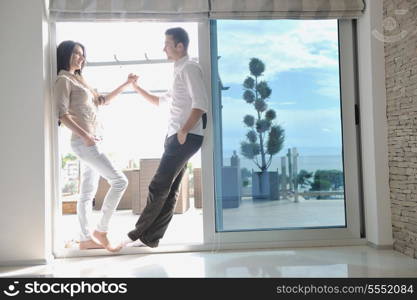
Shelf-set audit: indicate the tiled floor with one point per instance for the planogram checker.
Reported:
(347, 261)
(352, 261)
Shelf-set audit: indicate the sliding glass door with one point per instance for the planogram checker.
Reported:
(279, 163)
(285, 164)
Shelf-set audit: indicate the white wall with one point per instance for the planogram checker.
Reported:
(24, 171)
(374, 135)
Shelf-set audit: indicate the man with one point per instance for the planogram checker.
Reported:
(185, 136)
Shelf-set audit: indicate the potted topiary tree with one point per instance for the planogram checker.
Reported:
(264, 138)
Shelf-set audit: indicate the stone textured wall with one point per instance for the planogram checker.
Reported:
(400, 40)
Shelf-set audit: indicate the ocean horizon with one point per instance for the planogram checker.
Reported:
(310, 163)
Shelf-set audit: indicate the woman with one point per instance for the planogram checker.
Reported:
(77, 105)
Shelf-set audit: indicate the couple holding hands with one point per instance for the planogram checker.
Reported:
(77, 106)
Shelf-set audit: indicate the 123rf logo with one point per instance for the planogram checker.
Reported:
(70, 289)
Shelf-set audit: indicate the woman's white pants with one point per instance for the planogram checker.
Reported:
(94, 163)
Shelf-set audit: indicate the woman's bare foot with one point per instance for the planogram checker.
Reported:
(104, 241)
(90, 244)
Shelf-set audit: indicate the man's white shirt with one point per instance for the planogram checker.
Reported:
(187, 92)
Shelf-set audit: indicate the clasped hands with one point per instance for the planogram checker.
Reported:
(132, 78)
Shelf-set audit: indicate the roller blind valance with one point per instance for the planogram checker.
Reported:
(286, 9)
(129, 9)
(203, 9)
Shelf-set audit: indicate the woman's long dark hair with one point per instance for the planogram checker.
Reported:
(63, 55)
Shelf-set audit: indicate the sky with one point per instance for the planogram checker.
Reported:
(302, 69)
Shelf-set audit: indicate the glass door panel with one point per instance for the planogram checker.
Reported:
(279, 160)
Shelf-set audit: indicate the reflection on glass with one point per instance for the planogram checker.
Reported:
(70, 167)
(280, 164)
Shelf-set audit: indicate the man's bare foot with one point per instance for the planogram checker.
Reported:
(104, 241)
(90, 244)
